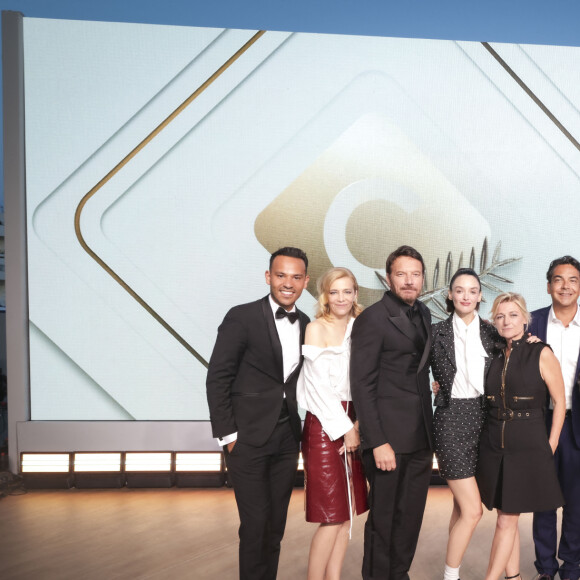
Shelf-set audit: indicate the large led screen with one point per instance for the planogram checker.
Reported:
(165, 164)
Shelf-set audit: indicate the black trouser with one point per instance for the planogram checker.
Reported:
(263, 478)
(397, 502)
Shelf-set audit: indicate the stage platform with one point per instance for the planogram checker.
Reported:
(161, 534)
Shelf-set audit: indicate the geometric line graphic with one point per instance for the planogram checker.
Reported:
(121, 164)
(532, 95)
(41, 340)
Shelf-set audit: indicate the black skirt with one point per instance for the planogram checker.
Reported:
(457, 429)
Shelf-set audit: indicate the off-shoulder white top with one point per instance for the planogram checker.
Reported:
(324, 383)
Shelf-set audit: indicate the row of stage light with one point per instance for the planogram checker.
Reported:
(134, 469)
(131, 469)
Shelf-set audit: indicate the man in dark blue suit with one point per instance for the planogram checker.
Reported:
(559, 326)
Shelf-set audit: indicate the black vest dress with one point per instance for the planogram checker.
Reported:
(516, 471)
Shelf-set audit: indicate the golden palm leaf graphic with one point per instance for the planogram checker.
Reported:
(435, 297)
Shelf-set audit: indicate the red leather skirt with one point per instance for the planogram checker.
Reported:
(325, 479)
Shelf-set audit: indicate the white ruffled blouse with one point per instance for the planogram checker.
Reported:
(324, 383)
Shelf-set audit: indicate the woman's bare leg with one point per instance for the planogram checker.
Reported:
(513, 566)
(334, 566)
(503, 544)
(469, 511)
(322, 547)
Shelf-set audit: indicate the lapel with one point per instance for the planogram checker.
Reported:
(402, 322)
(274, 338)
(576, 388)
(540, 326)
(303, 320)
(488, 337)
(576, 391)
(447, 341)
(399, 318)
(426, 318)
(542, 323)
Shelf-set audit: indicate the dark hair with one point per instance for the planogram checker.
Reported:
(290, 253)
(407, 251)
(561, 262)
(461, 272)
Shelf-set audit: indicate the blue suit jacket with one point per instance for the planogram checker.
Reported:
(539, 327)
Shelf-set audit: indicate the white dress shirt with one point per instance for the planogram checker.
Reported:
(469, 359)
(289, 335)
(565, 342)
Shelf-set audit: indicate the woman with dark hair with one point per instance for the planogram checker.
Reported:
(333, 475)
(461, 353)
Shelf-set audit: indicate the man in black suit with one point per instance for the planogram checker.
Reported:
(390, 388)
(251, 391)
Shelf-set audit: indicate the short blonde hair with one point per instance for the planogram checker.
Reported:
(323, 286)
(514, 297)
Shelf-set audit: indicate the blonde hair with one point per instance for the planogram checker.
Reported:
(323, 286)
(514, 297)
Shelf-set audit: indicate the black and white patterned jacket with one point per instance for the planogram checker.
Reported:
(442, 357)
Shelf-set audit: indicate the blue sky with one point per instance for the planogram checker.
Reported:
(530, 21)
(518, 21)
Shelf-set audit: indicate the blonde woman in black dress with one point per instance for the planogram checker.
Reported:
(462, 351)
(516, 471)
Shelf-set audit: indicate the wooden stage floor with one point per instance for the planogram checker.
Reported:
(159, 534)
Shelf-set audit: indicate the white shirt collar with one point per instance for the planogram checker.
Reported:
(553, 319)
(459, 327)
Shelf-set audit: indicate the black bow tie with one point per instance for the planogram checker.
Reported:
(281, 313)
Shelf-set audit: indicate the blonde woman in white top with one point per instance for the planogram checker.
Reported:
(334, 480)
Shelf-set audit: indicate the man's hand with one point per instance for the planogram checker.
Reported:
(385, 457)
(230, 446)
